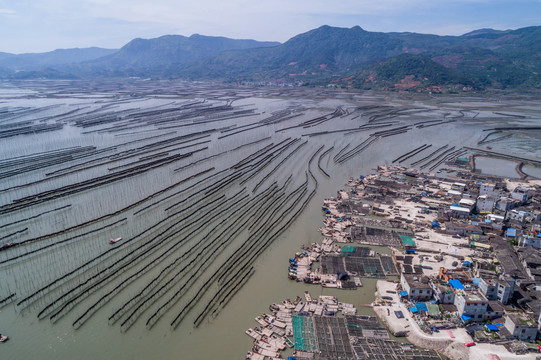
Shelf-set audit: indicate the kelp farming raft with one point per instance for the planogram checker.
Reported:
(136, 193)
(324, 328)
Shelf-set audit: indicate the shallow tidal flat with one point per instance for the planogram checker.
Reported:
(211, 189)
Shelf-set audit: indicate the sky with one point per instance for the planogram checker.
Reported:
(44, 25)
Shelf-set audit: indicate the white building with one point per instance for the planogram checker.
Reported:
(459, 212)
(417, 287)
(485, 203)
(487, 189)
(467, 203)
(517, 215)
(521, 194)
(496, 218)
(473, 305)
(497, 288)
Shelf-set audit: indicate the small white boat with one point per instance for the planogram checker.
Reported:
(3, 338)
(114, 241)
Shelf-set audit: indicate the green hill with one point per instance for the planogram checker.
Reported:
(485, 58)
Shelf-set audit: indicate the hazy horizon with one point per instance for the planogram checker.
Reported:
(59, 24)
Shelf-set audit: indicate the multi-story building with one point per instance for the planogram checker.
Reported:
(522, 194)
(487, 189)
(517, 215)
(497, 288)
(485, 203)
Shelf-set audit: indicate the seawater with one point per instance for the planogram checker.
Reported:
(221, 337)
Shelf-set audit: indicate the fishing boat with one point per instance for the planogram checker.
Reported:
(265, 352)
(254, 334)
(260, 320)
(274, 341)
(272, 320)
(289, 343)
(114, 241)
(3, 338)
(253, 356)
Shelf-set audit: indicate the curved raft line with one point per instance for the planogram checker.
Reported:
(104, 217)
(170, 302)
(155, 281)
(250, 255)
(319, 161)
(105, 298)
(203, 259)
(54, 315)
(111, 252)
(114, 272)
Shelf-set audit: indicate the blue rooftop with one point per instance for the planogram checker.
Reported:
(456, 284)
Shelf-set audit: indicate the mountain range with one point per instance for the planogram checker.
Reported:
(345, 57)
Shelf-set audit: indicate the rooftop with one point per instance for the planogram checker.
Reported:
(417, 282)
(520, 319)
(472, 297)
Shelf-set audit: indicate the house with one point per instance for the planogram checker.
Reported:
(471, 305)
(497, 288)
(458, 186)
(462, 229)
(459, 212)
(505, 204)
(496, 218)
(517, 215)
(467, 203)
(521, 327)
(531, 260)
(495, 310)
(487, 189)
(522, 194)
(417, 287)
(454, 194)
(534, 241)
(444, 294)
(485, 203)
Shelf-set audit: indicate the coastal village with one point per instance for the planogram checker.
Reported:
(461, 279)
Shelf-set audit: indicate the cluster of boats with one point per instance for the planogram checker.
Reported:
(267, 344)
